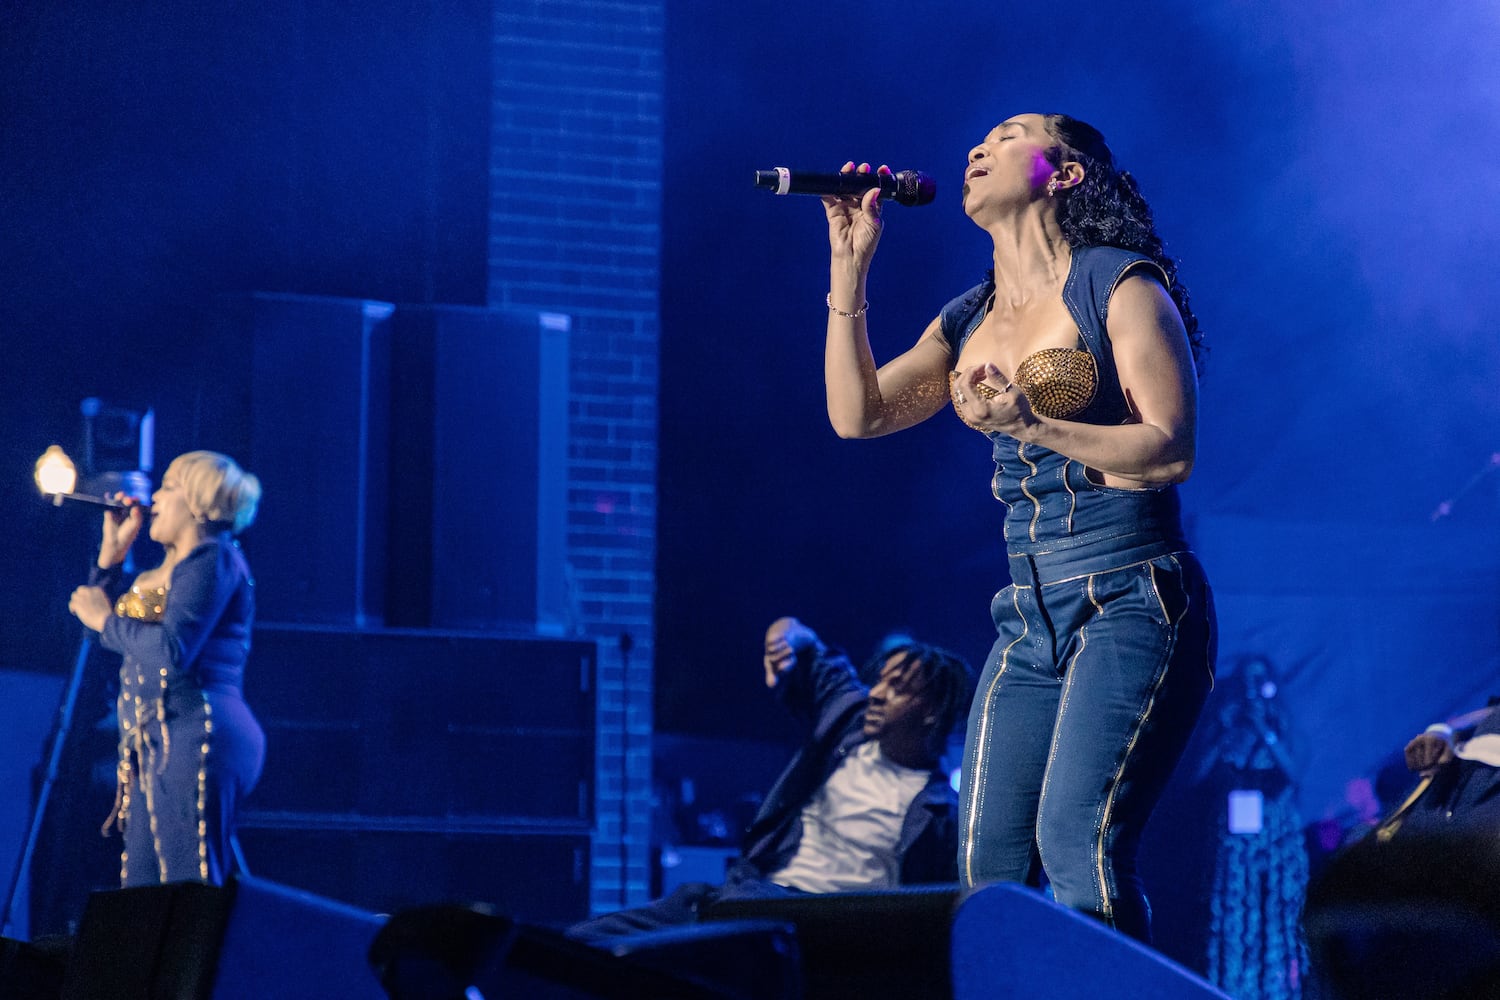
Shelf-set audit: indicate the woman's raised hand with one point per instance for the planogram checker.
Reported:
(121, 528)
(854, 223)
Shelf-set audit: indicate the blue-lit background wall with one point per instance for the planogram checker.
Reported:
(1329, 179)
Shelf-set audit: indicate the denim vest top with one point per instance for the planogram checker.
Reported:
(1055, 514)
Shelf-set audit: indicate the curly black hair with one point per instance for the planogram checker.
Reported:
(1107, 209)
(945, 680)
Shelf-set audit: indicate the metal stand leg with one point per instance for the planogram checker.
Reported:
(60, 734)
(238, 854)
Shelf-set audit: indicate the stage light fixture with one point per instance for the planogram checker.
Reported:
(57, 477)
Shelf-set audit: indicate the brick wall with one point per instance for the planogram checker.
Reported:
(575, 229)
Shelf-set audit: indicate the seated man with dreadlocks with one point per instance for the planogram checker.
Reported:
(863, 805)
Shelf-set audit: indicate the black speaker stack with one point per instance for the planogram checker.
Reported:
(411, 766)
(430, 728)
(414, 460)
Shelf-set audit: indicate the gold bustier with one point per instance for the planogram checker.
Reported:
(1059, 382)
(142, 605)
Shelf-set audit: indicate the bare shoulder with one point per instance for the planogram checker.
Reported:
(1141, 300)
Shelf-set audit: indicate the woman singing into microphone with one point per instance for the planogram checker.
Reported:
(1076, 357)
(190, 749)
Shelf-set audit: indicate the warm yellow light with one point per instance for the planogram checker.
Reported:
(55, 473)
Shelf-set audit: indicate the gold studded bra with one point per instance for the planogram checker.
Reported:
(1059, 382)
(142, 605)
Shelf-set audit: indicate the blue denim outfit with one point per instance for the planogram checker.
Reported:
(190, 748)
(1104, 656)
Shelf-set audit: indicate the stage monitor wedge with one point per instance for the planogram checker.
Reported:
(247, 939)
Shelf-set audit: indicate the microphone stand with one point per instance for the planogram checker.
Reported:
(60, 731)
(627, 643)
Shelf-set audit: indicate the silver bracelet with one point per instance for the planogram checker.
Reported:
(854, 315)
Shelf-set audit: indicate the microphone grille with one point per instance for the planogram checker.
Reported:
(914, 188)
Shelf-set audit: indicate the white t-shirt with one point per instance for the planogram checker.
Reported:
(850, 828)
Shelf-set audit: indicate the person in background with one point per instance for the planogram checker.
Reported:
(863, 805)
(190, 748)
(1459, 764)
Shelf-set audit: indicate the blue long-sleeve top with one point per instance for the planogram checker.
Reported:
(203, 637)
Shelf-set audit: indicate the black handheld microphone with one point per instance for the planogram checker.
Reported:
(908, 187)
(108, 502)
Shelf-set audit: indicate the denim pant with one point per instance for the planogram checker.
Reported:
(1085, 705)
(182, 817)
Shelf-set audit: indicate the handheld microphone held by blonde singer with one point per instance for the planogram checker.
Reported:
(908, 187)
(111, 502)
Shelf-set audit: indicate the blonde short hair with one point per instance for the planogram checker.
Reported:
(217, 490)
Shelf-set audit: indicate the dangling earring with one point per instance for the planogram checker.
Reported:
(1052, 187)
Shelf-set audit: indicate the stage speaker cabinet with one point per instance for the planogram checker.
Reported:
(863, 945)
(248, 939)
(938, 942)
(742, 959)
(1415, 916)
(538, 874)
(446, 951)
(320, 382)
(405, 766)
(30, 971)
(479, 470)
(426, 726)
(1011, 941)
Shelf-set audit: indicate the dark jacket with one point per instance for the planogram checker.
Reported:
(1464, 793)
(203, 640)
(824, 690)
